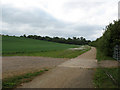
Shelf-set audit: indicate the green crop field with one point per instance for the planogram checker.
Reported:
(25, 45)
(19, 46)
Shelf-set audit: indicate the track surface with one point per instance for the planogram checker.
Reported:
(74, 73)
(17, 65)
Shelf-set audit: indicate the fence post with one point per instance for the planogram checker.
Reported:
(116, 54)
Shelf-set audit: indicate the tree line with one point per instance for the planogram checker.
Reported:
(110, 38)
(74, 40)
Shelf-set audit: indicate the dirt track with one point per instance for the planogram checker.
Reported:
(74, 73)
(17, 65)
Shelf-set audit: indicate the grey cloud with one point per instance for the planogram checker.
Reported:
(35, 17)
(85, 29)
(39, 22)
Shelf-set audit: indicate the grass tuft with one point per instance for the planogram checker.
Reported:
(15, 81)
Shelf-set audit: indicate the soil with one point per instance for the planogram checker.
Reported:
(74, 73)
(16, 65)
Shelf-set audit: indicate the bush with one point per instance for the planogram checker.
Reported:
(110, 38)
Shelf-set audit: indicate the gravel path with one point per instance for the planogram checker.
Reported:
(74, 73)
(109, 64)
(86, 60)
(16, 65)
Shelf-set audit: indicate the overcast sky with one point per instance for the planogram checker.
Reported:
(62, 18)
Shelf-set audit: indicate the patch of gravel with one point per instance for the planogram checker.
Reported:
(108, 64)
(16, 65)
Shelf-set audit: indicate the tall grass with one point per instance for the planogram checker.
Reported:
(101, 56)
(101, 80)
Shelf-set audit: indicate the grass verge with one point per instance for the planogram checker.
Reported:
(101, 56)
(15, 81)
(54, 54)
(102, 80)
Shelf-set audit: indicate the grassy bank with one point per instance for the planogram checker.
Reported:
(101, 56)
(15, 81)
(102, 80)
(105, 45)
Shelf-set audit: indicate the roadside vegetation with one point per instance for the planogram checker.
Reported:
(20, 46)
(101, 56)
(13, 82)
(105, 44)
(107, 77)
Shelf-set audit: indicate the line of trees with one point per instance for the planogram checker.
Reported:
(74, 40)
(109, 40)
